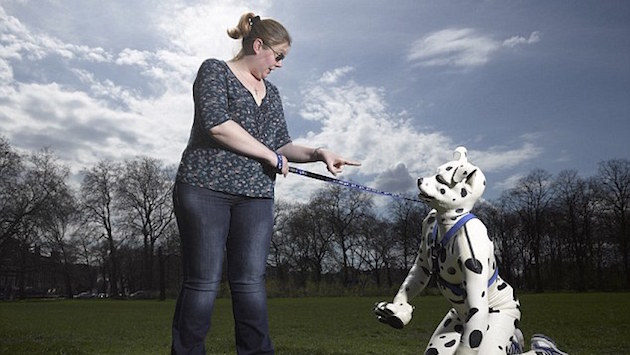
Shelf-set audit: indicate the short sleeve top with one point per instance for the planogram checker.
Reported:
(219, 96)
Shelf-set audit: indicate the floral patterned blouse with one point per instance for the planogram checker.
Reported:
(219, 96)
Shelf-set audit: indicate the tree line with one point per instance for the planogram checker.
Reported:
(114, 232)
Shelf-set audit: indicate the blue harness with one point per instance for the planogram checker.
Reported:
(456, 289)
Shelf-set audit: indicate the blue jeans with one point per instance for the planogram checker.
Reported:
(211, 223)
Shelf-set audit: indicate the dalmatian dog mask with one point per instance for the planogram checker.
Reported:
(455, 187)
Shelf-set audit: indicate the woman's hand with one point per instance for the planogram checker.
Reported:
(334, 163)
(301, 154)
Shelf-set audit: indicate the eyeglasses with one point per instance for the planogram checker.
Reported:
(279, 56)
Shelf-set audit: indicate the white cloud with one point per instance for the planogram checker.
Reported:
(6, 73)
(106, 90)
(504, 158)
(514, 41)
(509, 182)
(452, 47)
(83, 115)
(461, 47)
(331, 77)
(356, 123)
(74, 124)
(19, 41)
(133, 57)
(201, 30)
(101, 107)
(15, 38)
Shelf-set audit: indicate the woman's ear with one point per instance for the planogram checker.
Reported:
(257, 45)
(252, 47)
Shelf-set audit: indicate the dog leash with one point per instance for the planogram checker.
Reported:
(348, 184)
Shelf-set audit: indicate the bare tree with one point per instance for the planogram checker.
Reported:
(343, 210)
(59, 221)
(97, 192)
(503, 230)
(11, 176)
(574, 206)
(88, 251)
(314, 238)
(281, 250)
(35, 189)
(614, 179)
(144, 196)
(407, 217)
(377, 248)
(531, 199)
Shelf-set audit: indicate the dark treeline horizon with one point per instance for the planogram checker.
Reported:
(116, 234)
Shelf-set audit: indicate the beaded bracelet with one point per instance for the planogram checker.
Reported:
(280, 162)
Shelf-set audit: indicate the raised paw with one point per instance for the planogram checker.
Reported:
(396, 315)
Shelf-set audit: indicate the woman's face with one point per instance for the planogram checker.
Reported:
(271, 58)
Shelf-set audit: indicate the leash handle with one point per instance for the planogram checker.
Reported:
(316, 176)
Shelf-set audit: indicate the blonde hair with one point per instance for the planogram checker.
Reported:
(250, 27)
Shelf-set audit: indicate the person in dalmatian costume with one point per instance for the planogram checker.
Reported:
(455, 249)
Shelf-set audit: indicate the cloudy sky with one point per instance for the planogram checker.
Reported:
(395, 84)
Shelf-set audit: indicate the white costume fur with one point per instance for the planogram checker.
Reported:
(485, 312)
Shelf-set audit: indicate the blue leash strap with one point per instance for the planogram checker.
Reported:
(347, 184)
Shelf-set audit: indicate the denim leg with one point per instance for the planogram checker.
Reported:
(203, 219)
(247, 250)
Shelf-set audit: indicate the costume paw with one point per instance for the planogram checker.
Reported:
(396, 315)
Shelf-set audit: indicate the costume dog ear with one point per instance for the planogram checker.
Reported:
(463, 172)
(463, 167)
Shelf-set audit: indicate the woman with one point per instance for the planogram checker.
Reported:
(223, 195)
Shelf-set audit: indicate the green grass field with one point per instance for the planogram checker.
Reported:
(586, 323)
